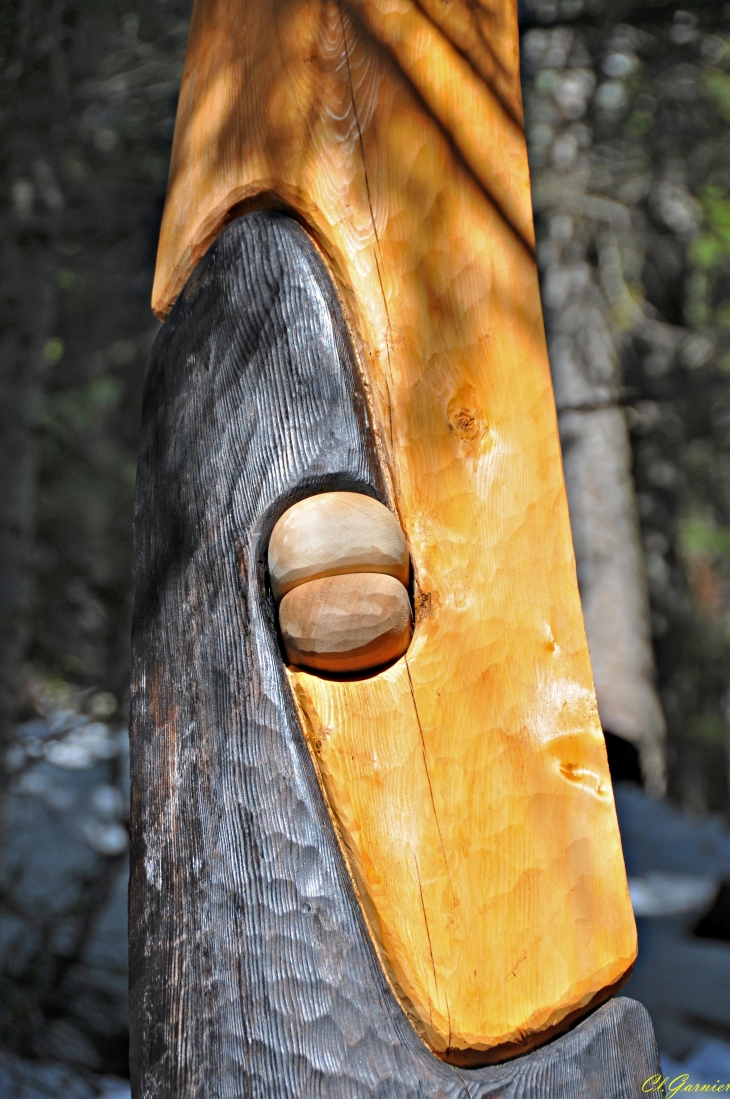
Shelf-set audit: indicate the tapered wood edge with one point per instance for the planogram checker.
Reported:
(479, 1058)
(237, 203)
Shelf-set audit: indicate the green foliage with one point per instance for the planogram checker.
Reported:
(716, 85)
(78, 410)
(701, 538)
(711, 249)
(639, 123)
(707, 728)
(53, 350)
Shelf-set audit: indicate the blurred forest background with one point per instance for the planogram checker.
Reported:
(628, 121)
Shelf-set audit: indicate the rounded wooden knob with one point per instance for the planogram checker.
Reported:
(346, 623)
(332, 534)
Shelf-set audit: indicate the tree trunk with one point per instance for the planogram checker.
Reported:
(25, 323)
(28, 300)
(597, 458)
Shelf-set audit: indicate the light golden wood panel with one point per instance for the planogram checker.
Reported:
(391, 129)
(493, 906)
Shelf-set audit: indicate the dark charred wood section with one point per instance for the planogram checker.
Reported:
(252, 973)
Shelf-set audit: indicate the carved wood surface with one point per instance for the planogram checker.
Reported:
(484, 842)
(336, 533)
(346, 624)
(252, 969)
(392, 127)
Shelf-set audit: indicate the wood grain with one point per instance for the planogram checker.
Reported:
(333, 533)
(399, 146)
(392, 128)
(346, 623)
(252, 969)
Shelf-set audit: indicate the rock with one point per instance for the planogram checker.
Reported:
(63, 904)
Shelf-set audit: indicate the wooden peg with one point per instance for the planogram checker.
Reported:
(335, 533)
(346, 623)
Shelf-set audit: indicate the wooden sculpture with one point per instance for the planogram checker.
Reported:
(340, 562)
(396, 860)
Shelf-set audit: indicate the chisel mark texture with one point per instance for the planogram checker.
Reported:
(252, 971)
